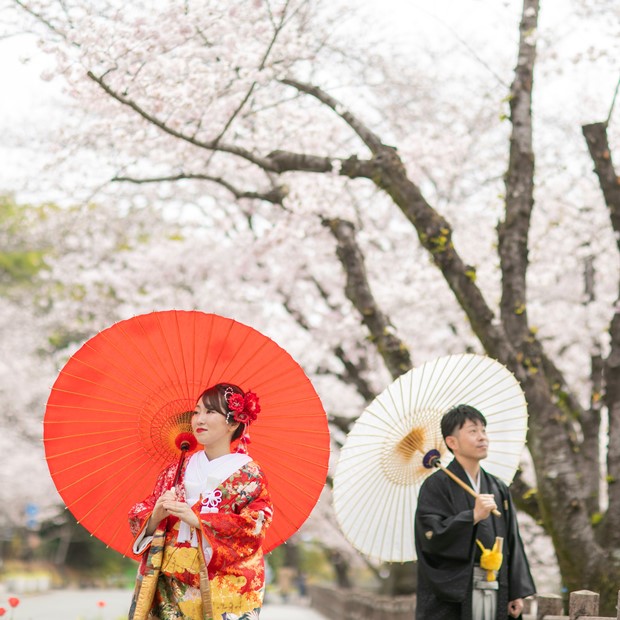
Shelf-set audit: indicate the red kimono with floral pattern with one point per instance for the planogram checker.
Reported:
(235, 533)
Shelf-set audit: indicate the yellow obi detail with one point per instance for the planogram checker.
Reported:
(191, 608)
(227, 594)
(491, 559)
(184, 561)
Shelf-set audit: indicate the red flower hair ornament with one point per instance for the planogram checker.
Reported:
(244, 409)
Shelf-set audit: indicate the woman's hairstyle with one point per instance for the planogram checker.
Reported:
(231, 401)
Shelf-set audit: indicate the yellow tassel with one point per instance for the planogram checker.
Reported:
(491, 559)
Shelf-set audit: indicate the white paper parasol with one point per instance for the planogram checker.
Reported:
(380, 469)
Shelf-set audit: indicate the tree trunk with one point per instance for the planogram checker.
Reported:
(598, 146)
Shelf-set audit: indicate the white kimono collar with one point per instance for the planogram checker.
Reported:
(203, 476)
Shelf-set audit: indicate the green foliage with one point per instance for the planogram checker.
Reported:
(22, 256)
(17, 266)
(441, 242)
(85, 557)
(61, 338)
(311, 561)
(65, 551)
(276, 558)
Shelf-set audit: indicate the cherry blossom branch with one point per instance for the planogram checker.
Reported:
(613, 102)
(354, 374)
(210, 145)
(275, 196)
(353, 371)
(470, 49)
(370, 139)
(277, 161)
(41, 19)
(237, 111)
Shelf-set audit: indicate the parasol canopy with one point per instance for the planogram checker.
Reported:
(381, 468)
(123, 398)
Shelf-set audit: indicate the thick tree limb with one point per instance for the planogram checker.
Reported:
(524, 497)
(519, 180)
(394, 352)
(609, 181)
(387, 171)
(283, 161)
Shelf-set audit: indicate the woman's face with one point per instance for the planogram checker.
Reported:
(210, 427)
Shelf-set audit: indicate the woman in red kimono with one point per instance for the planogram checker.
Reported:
(201, 539)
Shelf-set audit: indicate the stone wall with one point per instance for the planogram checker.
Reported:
(338, 604)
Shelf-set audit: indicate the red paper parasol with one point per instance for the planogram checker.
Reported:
(121, 400)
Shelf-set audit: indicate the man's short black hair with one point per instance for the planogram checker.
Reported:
(457, 416)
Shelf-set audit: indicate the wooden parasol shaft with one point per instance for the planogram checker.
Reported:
(465, 486)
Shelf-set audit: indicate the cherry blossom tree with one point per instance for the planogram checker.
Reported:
(285, 138)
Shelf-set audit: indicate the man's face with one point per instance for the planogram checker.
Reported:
(470, 441)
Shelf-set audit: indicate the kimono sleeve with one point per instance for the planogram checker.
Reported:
(140, 513)
(520, 581)
(234, 536)
(442, 530)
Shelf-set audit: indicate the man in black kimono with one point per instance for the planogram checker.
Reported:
(448, 521)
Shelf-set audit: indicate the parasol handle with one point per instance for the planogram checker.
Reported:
(431, 459)
(179, 468)
(184, 442)
(465, 486)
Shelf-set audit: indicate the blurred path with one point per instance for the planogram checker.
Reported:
(84, 605)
